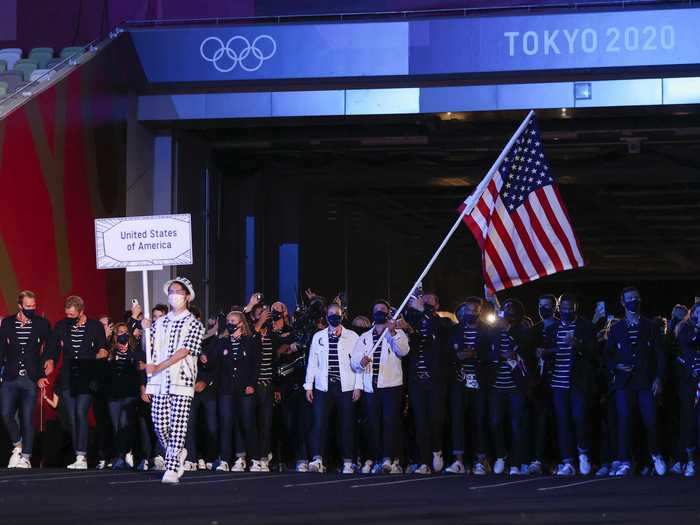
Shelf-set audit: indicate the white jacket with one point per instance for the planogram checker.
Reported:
(390, 371)
(317, 367)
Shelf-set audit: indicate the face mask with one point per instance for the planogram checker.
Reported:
(334, 320)
(632, 306)
(71, 321)
(546, 312)
(123, 339)
(567, 317)
(428, 309)
(29, 314)
(466, 318)
(230, 327)
(379, 317)
(176, 300)
(276, 316)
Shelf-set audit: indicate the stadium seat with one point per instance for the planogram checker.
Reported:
(41, 58)
(10, 55)
(26, 67)
(71, 51)
(54, 62)
(42, 75)
(13, 79)
(3, 88)
(3, 65)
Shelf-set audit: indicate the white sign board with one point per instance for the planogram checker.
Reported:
(143, 242)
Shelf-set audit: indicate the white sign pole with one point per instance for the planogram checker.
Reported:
(146, 334)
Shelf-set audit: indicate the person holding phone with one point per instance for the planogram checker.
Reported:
(636, 363)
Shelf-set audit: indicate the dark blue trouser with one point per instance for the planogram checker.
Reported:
(689, 421)
(468, 404)
(427, 400)
(264, 399)
(19, 394)
(629, 404)
(77, 407)
(238, 410)
(122, 413)
(296, 413)
(323, 406)
(207, 404)
(383, 411)
(509, 406)
(570, 413)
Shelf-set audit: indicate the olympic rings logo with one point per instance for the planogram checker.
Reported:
(238, 51)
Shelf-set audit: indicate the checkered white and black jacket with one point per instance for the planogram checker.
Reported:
(169, 334)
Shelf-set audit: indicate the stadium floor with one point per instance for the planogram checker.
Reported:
(59, 496)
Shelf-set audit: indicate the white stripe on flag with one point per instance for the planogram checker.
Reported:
(504, 255)
(548, 230)
(541, 252)
(564, 222)
(492, 273)
(515, 239)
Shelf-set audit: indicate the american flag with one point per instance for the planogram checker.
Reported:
(519, 220)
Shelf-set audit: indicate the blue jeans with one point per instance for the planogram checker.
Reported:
(383, 408)
(469, 402)
(323, 405)
(77, 407)
(509, 406)
(207, 404)
(122, 413)
(570, 413)
(631, 403)
(237, 414)
(19, 393)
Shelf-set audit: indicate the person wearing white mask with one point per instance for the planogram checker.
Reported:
(175, 345)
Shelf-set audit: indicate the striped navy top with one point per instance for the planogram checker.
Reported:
(333, 363)
(265, 374)
(633, 335)
(468, 340)
(504, 377)
(563, 359)
(696, 363)
(423, 338)
(376, 357)
(235, 354)
(77, 336)
(23, 332)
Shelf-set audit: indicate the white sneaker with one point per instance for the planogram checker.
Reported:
(438, 462)
(456, 468)
(201, 465)
(181, 458)
(159, 464)
(386, 467)
(208, 466)
(584, 465)
(348, 468)
(566, 470)
(396, 467)
(659, 465)
(265, 465)
(170, 478)
(500, 466)
(479, 469)
(129, 458)
(367, 467)
(15, 457)
(190, 466)
(625, 469)
(514, 471)
(677, 468)
(317, 466)
(23, 463)
(689, 469)
(614, 467)
(256, 466)
(101, 465)
(239, 465)
(223, 467)
(79, 464)
(535, 468)
(423, 470)
(302, 466)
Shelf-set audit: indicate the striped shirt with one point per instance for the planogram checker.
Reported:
(696, 364)
(423, 339)
(23, 332)
(376, 357)
(468, 341)
(77, 336)
(633, 335)
(561, 376)
(265, 374)
(504, 377)
(235, 354)
(333, 363)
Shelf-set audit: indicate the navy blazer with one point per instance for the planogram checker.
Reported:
(492, 359)
(647, 359)
(482, 349)
(583, 366)
(10, 348)
(235, 371)
(437, 353)
(689, 342)
(78, 374)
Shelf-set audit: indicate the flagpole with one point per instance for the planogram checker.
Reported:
(468, 208)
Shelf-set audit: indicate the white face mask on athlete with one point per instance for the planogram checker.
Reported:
(177, 301)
